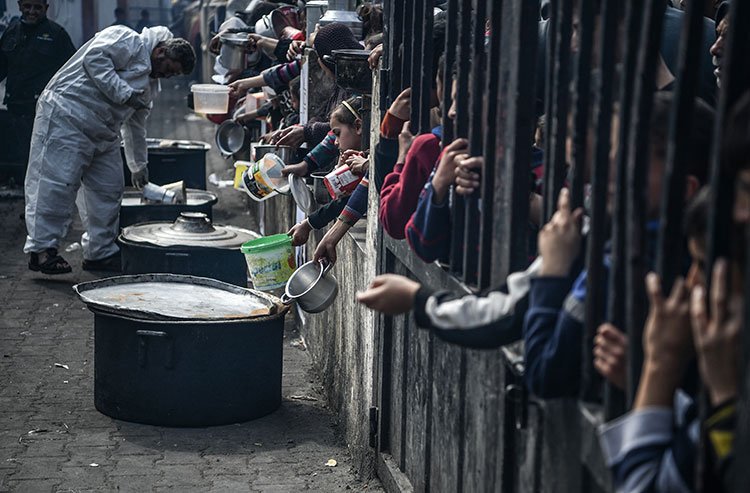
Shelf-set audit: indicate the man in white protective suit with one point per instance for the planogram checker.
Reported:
(104, 91)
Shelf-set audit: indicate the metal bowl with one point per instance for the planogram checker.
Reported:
(232, 138)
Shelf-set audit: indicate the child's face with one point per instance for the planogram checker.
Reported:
(347, 136)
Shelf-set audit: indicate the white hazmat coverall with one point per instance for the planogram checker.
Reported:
(104, 90)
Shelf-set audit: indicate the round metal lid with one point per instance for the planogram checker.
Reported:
(176, 298)
(134, 198)
(167, 145)
(190, 229)
(300, 192)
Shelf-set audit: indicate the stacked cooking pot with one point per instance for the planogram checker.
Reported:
(190, 245)
(175, 160)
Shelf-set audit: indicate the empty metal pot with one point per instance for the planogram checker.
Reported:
(312, 287)
(320, 192)
(285, 153)
(232, 54)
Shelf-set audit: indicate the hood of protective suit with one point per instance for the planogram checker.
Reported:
(152, 36)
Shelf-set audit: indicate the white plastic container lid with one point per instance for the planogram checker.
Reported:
(209, 89)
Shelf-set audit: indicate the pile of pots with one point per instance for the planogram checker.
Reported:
(179, 339)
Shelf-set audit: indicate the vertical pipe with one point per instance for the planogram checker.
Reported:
(595, 302)
(638, 164)
(476, 129)
(617, 288)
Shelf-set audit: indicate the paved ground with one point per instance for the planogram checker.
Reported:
(52, 438)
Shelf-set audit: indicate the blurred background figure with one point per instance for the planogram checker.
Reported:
(32, 49)
(145, 21)
(121, 18)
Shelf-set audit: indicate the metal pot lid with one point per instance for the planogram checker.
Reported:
(300, 192)
(168, 145)
(175, 297)
(195, 197)
(190, 229)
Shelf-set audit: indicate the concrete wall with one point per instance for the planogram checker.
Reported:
(341, 339)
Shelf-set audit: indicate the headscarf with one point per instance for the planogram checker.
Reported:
(331, 37)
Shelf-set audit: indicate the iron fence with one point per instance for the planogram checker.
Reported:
(459, 419)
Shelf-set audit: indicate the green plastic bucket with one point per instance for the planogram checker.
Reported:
(270, 261)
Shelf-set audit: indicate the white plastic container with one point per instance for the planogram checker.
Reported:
(210, 99)
(263, 179)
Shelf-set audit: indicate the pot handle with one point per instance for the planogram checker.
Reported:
(326, 265)
(286, 299)
(142, 334)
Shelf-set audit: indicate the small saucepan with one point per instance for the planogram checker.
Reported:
(283, 152)
(312, 287)
(320, 192)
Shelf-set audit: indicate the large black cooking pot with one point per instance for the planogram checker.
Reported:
(191, 245)
(133, 210)
(175, 160)
(201, 369)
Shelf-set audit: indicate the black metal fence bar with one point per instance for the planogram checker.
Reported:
(638, 162)
(428, 81)
(557, 106)
(494, 101)
(417, 73)
(584, 40)
(477, 82)
(461, 129)
(451, 41)
(669, 265)
(407, 45)
(516, 124)
(604, 89)
(616, 287)
(735, 81)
